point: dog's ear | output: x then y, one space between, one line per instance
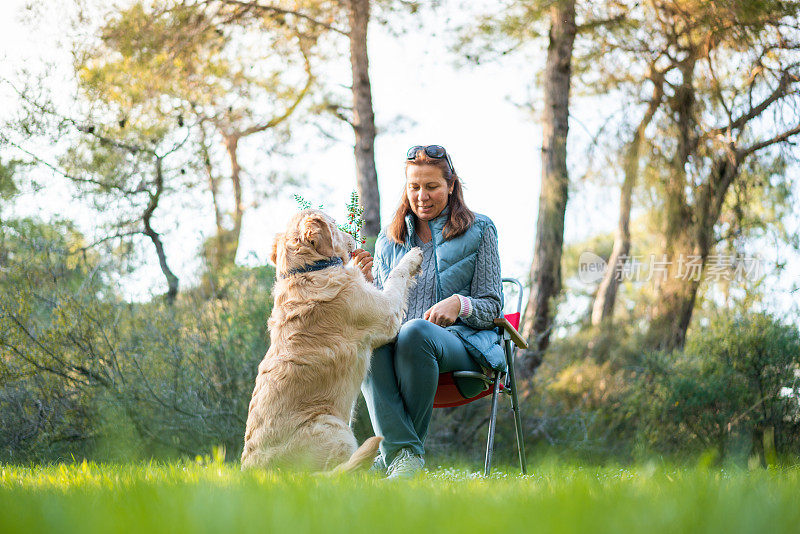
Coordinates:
273 257
316 231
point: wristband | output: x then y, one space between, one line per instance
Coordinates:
466 306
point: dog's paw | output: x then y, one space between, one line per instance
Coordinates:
413 259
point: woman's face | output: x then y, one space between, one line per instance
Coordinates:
427 191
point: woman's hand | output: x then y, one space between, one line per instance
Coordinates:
444 312
363 260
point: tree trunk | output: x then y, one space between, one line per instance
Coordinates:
545 274
172 280
603 307
364 120
213 187
213 250
231 244
676 294
672 313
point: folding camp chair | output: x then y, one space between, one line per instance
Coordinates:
497 382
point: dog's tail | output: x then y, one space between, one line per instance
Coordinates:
361 459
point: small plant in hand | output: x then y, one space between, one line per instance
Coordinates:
355 219
355 214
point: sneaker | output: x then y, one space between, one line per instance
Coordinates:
378 466
405 465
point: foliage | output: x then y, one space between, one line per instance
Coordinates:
355 219
707 98
159 60
580 402
733 391
166 94
176 64
354 215
84 373
209 496
723 82
8 187
302 203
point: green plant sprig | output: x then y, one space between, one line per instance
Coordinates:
354 216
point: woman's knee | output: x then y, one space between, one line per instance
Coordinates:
416 331
416 339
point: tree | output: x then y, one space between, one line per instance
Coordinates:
730 66
184 62
603 305
123 172
363 122
545 274
517 22
332 18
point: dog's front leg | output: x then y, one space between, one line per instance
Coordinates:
395 289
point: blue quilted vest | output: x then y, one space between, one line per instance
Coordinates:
455 267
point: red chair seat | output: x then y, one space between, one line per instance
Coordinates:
447 394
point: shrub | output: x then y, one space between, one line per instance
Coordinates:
84 373
726 390
732 390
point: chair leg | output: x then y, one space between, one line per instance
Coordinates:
487 466
515 406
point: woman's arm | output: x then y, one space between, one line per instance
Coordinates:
487 284
483 307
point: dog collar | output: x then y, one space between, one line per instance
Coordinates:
316 266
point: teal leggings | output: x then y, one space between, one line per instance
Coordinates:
402 379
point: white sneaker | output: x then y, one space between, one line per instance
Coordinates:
378 466
405 465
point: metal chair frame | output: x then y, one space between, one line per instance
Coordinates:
509 338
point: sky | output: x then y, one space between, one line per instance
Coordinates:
482 115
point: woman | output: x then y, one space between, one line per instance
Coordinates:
458 294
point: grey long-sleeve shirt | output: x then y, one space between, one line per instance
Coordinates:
485 287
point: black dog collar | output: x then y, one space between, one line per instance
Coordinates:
316 266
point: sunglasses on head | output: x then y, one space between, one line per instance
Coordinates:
432 151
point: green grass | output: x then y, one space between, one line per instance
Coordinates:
211 496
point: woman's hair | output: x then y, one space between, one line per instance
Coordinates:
460 217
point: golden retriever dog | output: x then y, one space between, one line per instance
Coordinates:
325 322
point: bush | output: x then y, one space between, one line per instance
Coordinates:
726 390
582 401
85 374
